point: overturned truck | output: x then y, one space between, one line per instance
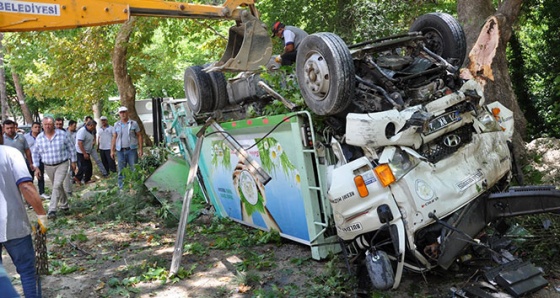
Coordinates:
398 162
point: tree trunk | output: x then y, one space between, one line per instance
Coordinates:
21 98
3 96
127 91
473 15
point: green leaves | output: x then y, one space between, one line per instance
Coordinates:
63 268
81 237
195 248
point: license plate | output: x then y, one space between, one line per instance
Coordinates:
443 121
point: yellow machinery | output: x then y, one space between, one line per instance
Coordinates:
249 45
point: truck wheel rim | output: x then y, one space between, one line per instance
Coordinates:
434 42
192 92
317 77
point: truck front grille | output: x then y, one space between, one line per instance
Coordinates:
447 144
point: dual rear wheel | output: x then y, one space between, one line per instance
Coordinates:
205 92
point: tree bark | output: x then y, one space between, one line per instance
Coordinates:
473 15
21 98
127 91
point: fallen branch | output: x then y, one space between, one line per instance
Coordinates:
76 247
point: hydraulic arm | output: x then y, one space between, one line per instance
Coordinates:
28 15
249 45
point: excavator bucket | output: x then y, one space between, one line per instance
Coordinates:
249 46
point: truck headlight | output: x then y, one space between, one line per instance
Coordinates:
489 121
400 163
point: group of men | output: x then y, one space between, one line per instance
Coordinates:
58 152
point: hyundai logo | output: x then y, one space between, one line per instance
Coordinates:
452 141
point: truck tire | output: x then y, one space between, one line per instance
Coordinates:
325 73
198 90
444 36
219 89
380 270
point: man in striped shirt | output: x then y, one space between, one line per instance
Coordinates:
54 148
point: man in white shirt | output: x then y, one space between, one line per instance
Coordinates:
104 138
84 146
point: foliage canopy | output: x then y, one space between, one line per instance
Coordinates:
66 72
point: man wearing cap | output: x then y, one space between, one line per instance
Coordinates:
126 143
292 37
105 136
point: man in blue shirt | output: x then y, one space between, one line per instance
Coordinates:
126 143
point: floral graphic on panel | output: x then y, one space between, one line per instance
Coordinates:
273 156
220 154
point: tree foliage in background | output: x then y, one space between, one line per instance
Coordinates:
354 20
66 72
538 71
63 72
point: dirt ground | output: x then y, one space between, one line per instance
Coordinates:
108 251
103 259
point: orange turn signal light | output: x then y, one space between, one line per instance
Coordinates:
496 112
384 174
361 186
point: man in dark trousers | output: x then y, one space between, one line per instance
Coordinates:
105 136
30 137
84 147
